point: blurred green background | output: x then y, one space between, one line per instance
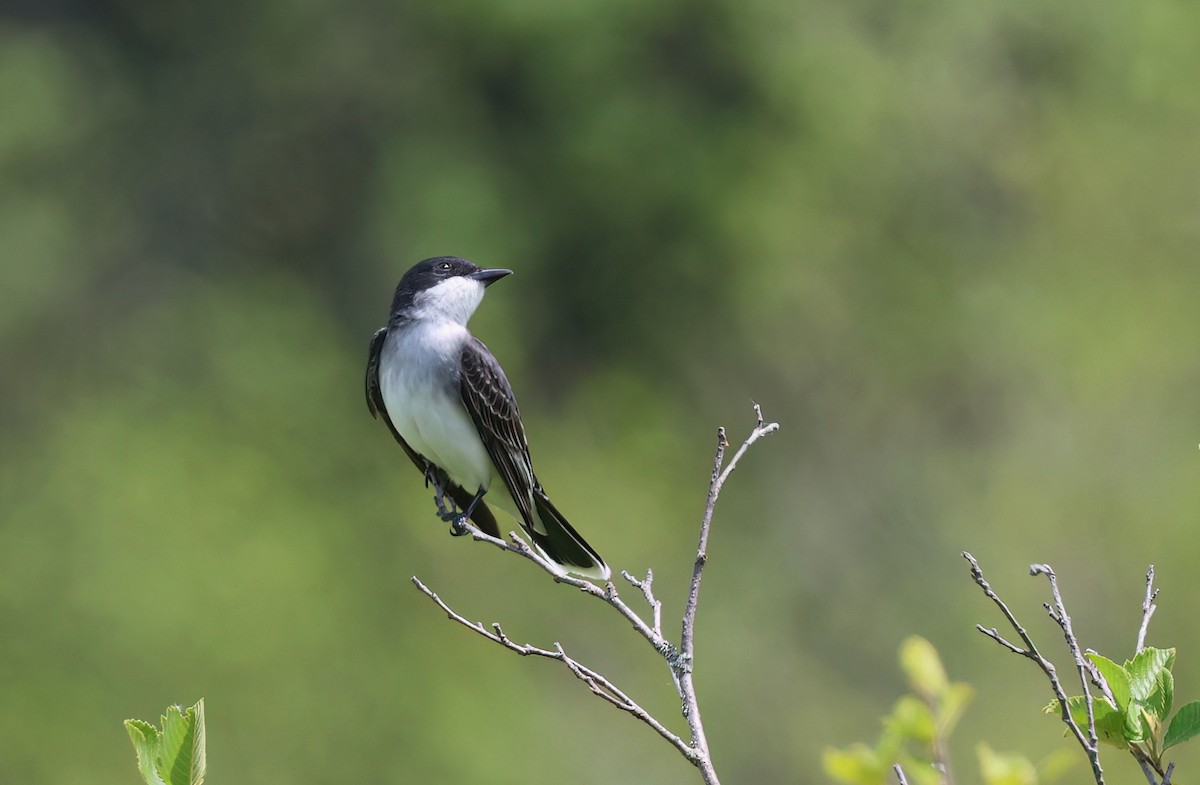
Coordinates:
949 247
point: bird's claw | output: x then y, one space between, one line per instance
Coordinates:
458 526
448 514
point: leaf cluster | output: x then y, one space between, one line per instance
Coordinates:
916 732
1134 710
173 755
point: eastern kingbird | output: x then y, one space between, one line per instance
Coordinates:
447 401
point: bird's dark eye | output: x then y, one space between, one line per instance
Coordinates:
444 266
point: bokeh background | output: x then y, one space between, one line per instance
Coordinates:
950 247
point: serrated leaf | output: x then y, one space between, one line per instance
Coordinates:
1001 769
182 746
1159 702
1116 676
1184 725
145 743
1135 728
923 667
911 719
854 765
1144 671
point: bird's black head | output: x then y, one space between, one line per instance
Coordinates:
443 283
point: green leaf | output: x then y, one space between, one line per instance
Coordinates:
182 749
1145 670
1000 769
1110 723
855 765
923 667
1184 725
911 719
145 742
1136 728
1116 676
174 755
1159 702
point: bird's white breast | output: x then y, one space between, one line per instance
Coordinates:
417 376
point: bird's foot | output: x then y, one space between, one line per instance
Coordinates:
458 526
448 513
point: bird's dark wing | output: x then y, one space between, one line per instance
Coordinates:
482 515
489 400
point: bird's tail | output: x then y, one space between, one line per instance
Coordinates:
562 544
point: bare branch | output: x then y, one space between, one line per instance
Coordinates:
646 587
1147 770
608 594
687 641
1060 616
679 659
1148 609
598 684
899 774
1087 742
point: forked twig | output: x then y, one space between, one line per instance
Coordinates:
1058 612
679 658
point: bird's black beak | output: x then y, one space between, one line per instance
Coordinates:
489 277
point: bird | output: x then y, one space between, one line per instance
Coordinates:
446 400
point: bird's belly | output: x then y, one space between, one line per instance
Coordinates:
434 423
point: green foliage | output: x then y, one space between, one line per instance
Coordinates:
175 754
918 730
1143 689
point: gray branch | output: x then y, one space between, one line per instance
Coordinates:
1059 614
1087 741
679 658
1148 608
599 685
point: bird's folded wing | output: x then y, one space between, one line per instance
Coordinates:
489 400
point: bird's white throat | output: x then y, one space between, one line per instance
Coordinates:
453 299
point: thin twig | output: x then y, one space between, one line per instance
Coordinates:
1060 616
899 774
1089 746
1147 770
1148 609
599 685
687 640
647 588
